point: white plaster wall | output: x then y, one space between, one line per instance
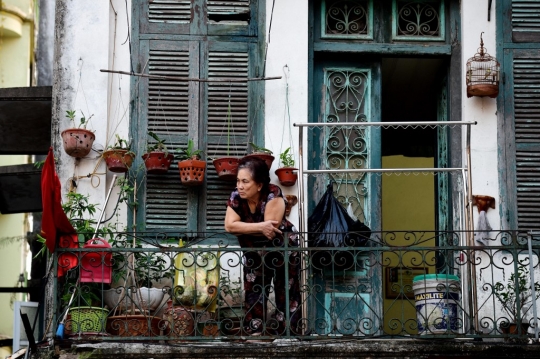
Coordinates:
481 109
288 47
81 50
83 46
119 94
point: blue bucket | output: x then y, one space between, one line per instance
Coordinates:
437 298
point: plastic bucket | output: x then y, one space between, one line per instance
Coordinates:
437 297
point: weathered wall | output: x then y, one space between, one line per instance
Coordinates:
481 109
288 47
83 46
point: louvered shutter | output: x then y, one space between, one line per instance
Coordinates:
167 112
525 20
165 16
226 7
203 39
526 77
225 61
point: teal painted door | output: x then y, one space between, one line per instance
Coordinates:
349 302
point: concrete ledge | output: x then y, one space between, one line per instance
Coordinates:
391 348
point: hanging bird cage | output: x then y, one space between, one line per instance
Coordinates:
483 72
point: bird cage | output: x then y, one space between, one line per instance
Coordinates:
482 74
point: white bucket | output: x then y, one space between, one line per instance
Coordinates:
437 297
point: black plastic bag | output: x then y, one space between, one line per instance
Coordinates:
331 226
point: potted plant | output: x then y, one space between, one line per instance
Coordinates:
119 157
191 168
262 153
87 314
77 140
157 159
516 291
134 299
287 174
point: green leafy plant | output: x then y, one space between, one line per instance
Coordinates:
148 267
517 290
121 144
159 145
189 152
286 158
259 149
71 114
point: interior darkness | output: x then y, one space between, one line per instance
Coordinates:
410 91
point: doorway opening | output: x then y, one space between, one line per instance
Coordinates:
412 89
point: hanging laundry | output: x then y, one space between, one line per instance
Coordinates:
483 227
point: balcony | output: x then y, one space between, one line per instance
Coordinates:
197 291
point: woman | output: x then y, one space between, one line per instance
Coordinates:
256 215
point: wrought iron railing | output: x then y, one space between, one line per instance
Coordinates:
222 292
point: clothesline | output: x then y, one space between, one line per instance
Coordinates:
178 78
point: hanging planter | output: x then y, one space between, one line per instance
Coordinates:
287 174
157 159
226 168
77 141
119 157
482 74
262 153
157 162
118 160
191 169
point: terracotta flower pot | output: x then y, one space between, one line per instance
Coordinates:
263 156
78 141
287 176
118 161
192 172
157 162
134 325
226 168
179 321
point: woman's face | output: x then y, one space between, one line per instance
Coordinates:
247 187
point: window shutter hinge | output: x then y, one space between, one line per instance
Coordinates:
504 78
256 71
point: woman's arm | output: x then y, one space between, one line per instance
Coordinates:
234 225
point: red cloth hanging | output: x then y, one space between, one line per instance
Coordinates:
55 226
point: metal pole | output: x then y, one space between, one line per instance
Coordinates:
105 205
533 289
385 124
302 224
470 230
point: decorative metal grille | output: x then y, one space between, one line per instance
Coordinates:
422 19
347 100
347 18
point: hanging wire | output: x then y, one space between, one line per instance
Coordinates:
287 114
230 127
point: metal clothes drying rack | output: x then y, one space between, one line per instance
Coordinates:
465 173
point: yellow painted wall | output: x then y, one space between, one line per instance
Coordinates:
408 203
16 53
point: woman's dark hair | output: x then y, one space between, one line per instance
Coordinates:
258 168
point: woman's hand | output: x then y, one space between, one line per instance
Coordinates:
269 229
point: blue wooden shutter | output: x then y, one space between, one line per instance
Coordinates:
225 61
526 81
525 20
167 111
165 16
